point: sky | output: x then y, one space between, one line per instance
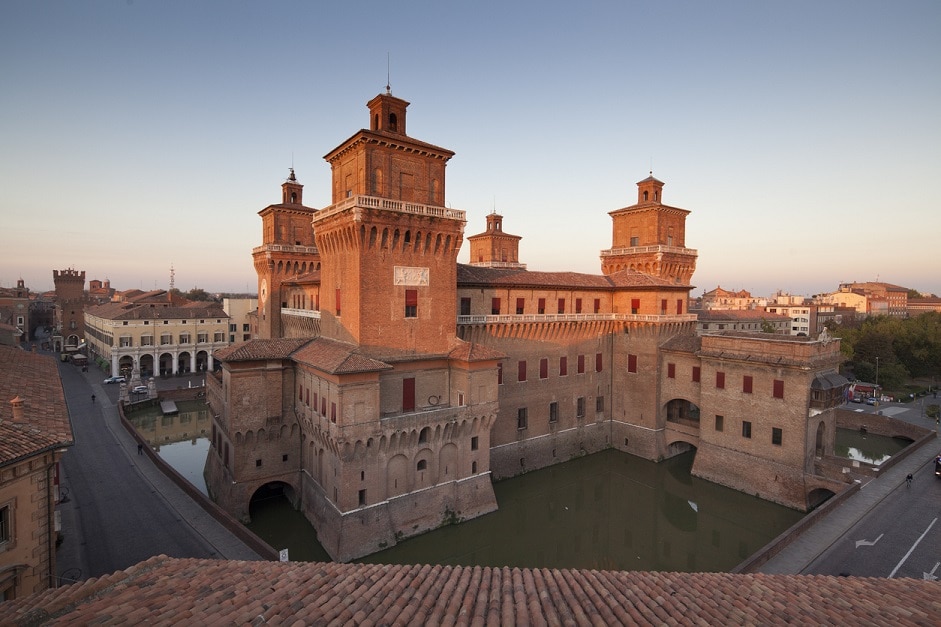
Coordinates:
138 136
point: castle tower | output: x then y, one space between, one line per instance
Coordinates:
287 250
650 237
495 248
70 307
388 244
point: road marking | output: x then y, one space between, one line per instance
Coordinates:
931 576
920 538
860 543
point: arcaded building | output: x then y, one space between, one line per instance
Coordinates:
390 385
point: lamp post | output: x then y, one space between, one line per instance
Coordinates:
877 372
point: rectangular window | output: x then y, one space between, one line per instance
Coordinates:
561 305
465 306
495 306
599 404
362 497
663 307
300 392
323 406
245 328
671 371
520 306
521 418
581 364
720 380
521 371
475 443
233 328
6 529
542 306
679 306
597 305
202 338
338 301
315 401
635 241
696 372
578 305
500 374
778 388
333 413
408 394
307 394
126 341
563 366
776 436
635 305
720 423
746 384
219 336
632 363
147 340
746 429
599 362
553 412
411 303
544 368
580 407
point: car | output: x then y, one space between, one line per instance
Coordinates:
139 389
871 400
116 379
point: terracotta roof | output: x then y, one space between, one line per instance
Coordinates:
683 343
480 275
471 351
131 311
742 315
336 357
253 350
170 591
45 421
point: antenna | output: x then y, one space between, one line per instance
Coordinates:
172 276
388 74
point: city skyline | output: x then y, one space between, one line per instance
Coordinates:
802 137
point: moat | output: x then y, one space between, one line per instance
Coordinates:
609 510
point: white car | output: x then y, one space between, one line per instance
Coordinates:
116 379
139 389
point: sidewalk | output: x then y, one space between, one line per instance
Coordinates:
798 556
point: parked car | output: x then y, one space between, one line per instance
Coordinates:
871 400
139 389
937 466
116 379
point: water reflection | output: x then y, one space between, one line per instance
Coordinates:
868 448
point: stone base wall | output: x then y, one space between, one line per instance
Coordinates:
637 440
347 536
765 479
510 460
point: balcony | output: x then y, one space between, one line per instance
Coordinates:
387 204
636 250
285 248
303 313
603 317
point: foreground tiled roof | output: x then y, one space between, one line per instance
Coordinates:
45 423
336 357
252 350
480 275
472 351
169 591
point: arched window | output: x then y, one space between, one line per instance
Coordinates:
393 122
423 435
422 465
645 196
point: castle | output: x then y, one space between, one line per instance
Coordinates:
389 385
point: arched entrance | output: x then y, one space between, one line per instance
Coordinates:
682 411
146 365
183 363
126 365
202 361
818 497
166 364
269 493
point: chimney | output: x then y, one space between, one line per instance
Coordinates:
17 405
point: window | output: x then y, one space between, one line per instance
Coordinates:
300 392
465 306
720 380
553 412
597 305
599 404
147 340
563 366
323 406
218 336
233 328
307 394
314 404
544 368
679 306
778 388
500 374
581 364
635 241
126 341
635 305
696 374
663 307
542 305
185 338
408 394
422 464
776 436
338 300
578 305
521 418
202 337
746 429
520 305
245 328
720 423
561 305
671 371
599 362
423 435
475 443
362 497
411 303
6 524
521 371
580 407
632 363
746 384
495 306
333 413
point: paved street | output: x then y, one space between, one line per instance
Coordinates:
118 508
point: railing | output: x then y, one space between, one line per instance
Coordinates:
304 313
633 250
387 204
618 317
285 248
499 264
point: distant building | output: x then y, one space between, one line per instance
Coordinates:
802 313
69 331
918 306
240 312
15 311
884 298
34 433
752 320
728 300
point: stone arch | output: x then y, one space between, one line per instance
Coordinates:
272 490
681 411
817 496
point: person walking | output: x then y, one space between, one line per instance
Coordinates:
140 448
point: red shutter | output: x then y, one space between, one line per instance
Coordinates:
411 298
746 384
696 374
635 305
563 366
671 371
598 362
408 394
521 374
543 368
778 388
679 306
720 380
632 363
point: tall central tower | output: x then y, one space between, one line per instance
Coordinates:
388 244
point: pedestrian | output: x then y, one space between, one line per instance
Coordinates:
92 398
140 449
908 479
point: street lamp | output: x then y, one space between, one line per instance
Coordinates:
877 372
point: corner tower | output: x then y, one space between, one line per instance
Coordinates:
650 237
388 244
495 248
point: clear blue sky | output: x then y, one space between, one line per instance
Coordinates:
805 137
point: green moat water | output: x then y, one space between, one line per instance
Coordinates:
609 510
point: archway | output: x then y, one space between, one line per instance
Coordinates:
183 363
146 365
682 411
166 364
270 492
126 365
202 361
818 497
